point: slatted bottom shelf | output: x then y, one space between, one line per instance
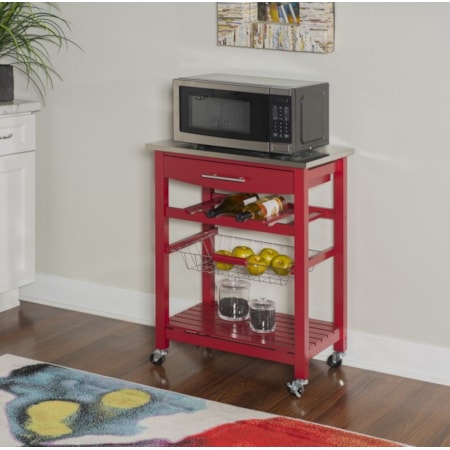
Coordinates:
200 325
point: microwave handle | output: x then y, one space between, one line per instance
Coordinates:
219 177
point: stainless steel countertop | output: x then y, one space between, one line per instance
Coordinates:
333 153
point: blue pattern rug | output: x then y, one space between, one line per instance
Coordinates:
47 405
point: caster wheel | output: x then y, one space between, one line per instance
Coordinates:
297 387
158 357
207 353
157 362
335 360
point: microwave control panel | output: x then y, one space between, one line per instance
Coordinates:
280 118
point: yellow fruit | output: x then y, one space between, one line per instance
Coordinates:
242 251
281 264
256 265
268 254
222 265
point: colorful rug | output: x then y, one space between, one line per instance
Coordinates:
47 405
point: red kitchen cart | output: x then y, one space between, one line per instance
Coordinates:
298 337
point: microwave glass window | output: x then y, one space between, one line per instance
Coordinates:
224 114
219 114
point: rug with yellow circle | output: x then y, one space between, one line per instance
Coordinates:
46 405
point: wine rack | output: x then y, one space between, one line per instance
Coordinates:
297 338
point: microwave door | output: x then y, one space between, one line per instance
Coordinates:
224 118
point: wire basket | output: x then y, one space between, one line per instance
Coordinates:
201 256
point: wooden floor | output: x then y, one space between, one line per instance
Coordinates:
390 407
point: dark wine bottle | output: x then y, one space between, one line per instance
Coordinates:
232 204
263 208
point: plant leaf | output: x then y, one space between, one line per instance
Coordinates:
27 31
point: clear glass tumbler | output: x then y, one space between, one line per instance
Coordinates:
233 299
262 315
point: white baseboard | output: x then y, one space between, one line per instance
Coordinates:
9 300
92 298
365 351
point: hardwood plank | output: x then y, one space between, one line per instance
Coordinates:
386 406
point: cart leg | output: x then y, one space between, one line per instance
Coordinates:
162 282
301 284
297 387
340 259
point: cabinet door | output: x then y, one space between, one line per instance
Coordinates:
17 220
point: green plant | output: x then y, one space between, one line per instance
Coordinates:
26 31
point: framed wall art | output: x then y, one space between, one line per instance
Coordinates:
297 27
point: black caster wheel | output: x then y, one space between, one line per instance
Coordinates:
158 357
206 352
297 387
157 362
335 360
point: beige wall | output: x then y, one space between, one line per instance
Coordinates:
389 100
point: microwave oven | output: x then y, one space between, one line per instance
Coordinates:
251 113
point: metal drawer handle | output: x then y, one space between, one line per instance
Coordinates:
7 136
218 177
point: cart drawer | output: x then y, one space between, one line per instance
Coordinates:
229 177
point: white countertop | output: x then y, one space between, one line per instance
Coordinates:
19 107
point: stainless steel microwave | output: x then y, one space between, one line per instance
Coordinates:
251 113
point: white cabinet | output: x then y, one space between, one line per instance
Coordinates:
17 199
17 175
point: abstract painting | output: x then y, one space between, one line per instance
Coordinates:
289 26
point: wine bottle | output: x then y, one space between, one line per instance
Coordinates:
232 204
263 208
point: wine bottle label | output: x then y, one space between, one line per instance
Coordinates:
249 200
272 207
